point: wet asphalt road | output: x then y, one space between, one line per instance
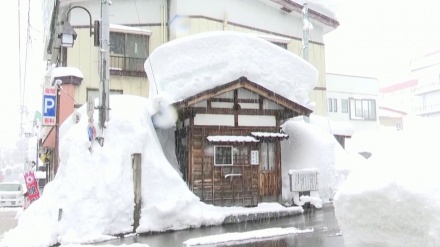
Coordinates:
323 221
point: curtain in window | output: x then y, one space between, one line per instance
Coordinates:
264 162
271 155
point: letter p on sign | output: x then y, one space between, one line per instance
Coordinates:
49 107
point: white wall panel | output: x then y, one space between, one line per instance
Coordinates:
247 120
214 120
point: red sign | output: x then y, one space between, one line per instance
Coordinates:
32 187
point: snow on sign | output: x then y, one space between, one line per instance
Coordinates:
49 106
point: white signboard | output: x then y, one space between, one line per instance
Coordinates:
49 106
304 180
255 159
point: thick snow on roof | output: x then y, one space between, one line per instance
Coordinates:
269 134
211 59
394 199
232 139
65 71
325 7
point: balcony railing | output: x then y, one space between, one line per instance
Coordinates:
427 110
127 66
427 88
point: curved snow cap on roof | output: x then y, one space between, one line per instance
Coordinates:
184 67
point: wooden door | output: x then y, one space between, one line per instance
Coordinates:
269 170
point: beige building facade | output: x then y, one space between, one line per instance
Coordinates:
137 28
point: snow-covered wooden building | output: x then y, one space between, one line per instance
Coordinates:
230 108
228 143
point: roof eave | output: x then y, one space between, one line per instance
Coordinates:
330 23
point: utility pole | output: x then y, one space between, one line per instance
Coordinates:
105 70
306 31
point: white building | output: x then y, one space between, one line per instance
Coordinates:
397 101
426 69
353 99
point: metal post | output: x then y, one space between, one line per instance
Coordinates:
57 129
105 70
306 27
137 188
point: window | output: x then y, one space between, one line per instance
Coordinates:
332 105
93 93
267 156
363 109
223 155
241 155
344 105
128 53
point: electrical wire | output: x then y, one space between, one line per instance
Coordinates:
68 95
28 38
149 59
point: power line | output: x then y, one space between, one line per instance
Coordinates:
19 49
149 59
28 37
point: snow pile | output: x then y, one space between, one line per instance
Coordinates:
308 146
311 145
211 59
91 197
241 237
395 199
343 128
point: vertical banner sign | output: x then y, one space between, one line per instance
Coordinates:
49 106
31 186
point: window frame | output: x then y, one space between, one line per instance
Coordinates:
344 109
231 151
265 158
122 64
332 105
357 111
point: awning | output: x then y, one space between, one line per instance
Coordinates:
269 135
232 139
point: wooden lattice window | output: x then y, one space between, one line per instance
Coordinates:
223 156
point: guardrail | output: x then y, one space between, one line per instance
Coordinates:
127 66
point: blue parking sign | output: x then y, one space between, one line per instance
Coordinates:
49 106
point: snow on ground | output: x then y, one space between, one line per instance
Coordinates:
242 237
214 58
105 245
395 199
92 194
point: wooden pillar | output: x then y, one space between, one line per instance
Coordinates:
137 188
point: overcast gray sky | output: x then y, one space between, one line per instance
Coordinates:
378 38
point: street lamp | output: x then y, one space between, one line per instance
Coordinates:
68 35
